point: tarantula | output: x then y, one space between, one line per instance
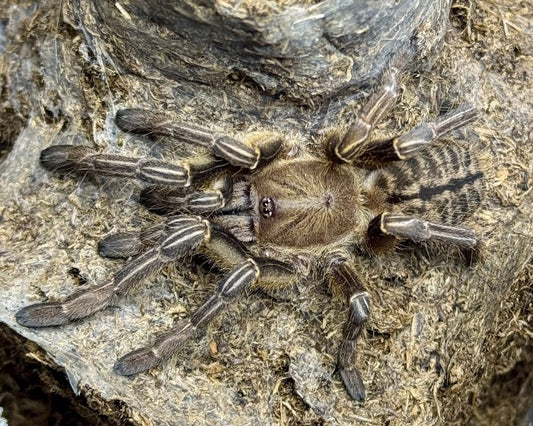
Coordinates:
259 221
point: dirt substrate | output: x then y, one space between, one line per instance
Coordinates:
448 342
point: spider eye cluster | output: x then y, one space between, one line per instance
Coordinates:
267 207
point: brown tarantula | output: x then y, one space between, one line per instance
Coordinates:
257 215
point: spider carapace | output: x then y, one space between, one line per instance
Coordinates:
256 212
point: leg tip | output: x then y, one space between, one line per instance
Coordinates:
119 246
63 158
353 383
132 120
156 199
136 362
42 315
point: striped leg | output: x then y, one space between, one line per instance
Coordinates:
354 142
395 226
239 153
123 245
169 200
181 235
164 200
245 274
240 277
83 159
343 277
400 148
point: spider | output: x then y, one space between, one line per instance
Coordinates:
268 220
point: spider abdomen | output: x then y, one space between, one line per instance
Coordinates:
444 184
305 203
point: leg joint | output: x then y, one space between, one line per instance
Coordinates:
360 307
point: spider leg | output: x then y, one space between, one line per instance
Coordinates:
400 148
343 277
170 200
164 200
245 273
240 277
354 142
239 153
84 159
123 245
388 226
181 235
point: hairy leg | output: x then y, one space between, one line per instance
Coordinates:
342 275
396 226
349 147
84 159
166 345
180 236
379 153
247 153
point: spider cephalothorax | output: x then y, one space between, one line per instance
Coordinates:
260 220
